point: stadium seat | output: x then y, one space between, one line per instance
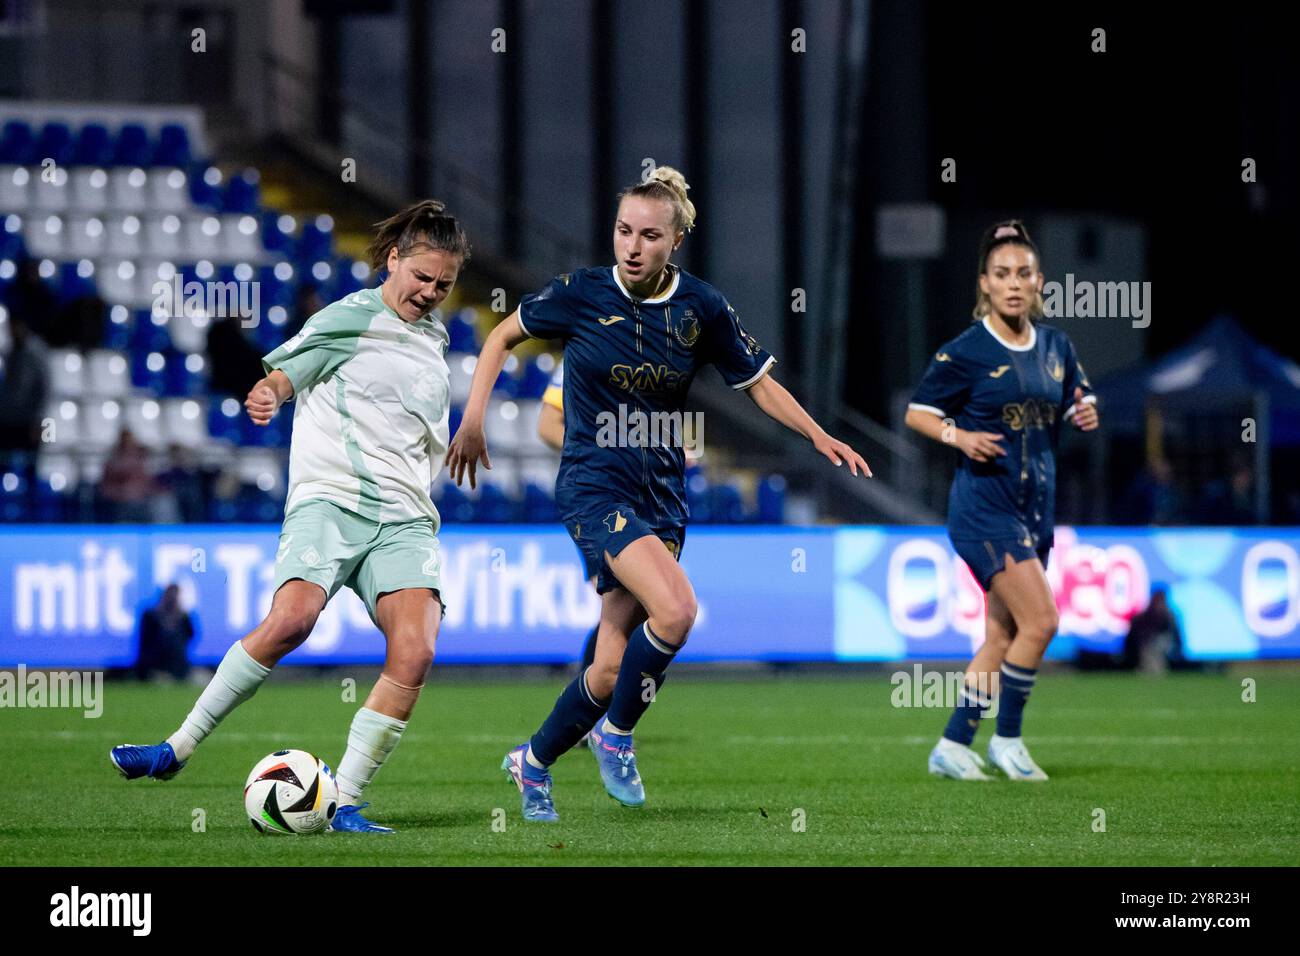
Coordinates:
87 235
144 417
50 188
225 420
173 146
106 375
132 147
14 183
67 373
101 420
92 146
771 500
242 240
184 421
89 189
460 368
17 143
43 234
128 189
242 194
55 142
65 415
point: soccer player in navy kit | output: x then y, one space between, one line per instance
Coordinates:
635 335
999 392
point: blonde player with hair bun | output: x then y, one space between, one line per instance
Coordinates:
635 334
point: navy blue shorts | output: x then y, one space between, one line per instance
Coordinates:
985 557
609 525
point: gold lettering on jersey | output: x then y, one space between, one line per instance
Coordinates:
1029 414
645 378
999 371
611 320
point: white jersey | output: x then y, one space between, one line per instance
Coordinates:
373 398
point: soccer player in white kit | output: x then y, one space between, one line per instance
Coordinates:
370 425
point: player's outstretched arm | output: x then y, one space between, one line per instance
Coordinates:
778 404
265 398
469 447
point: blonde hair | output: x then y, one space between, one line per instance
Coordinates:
1008 232
669 185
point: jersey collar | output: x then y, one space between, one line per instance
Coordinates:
1033 337
672 286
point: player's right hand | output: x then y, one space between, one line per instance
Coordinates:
466 450
261 403
980 446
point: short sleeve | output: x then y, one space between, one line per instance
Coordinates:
552 312
554 394
734 352
1075 377
326 341
944 388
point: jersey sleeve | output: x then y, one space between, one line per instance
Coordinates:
944 388
1075 377
554 394
734 352
327 340
552 312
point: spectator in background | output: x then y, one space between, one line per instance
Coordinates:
24 388
1230 501
183 483
31 299
127 488
166 631
1152 498
1153 639
234 364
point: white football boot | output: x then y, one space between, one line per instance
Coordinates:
951 759
1010 755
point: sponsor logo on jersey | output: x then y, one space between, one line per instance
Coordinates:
1028 414
1055 368
943 357
611 320
999 371
646 378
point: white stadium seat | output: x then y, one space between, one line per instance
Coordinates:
66 415
123 236
461 373
127 190
14 188
89 189
168 190
185 421
67 373
59 470
50 188
144 418
45 235
107 374
101 420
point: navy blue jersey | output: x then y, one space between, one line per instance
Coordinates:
1022 392
626 360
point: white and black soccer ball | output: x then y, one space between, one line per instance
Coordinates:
291 791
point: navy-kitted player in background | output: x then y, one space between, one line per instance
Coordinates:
635 335
999 392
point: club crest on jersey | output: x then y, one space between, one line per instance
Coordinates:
615 522
688 328
1055 368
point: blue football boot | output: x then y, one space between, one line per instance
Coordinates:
146 760
349 820
533 784
617 761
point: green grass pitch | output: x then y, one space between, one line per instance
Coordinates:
792 770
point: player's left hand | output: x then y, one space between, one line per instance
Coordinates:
1085 416
838 452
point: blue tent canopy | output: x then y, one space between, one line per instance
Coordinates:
1222 365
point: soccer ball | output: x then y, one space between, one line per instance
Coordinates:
291 791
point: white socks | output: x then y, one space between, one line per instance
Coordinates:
371 739
237 679
611 729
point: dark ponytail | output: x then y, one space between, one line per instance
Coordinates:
419 227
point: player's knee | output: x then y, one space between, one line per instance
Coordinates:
292 624
675 620
601 679
1041 627
410 655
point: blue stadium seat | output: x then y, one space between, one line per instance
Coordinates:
12 246
534 381
226 420
132 146
539 506
17 144
173 146
461 330
51 506
149 370
454 506
771 500
726 505
147 337
242 195
55 142
274 238
15 496
71 285
493 506
315 244
92 146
